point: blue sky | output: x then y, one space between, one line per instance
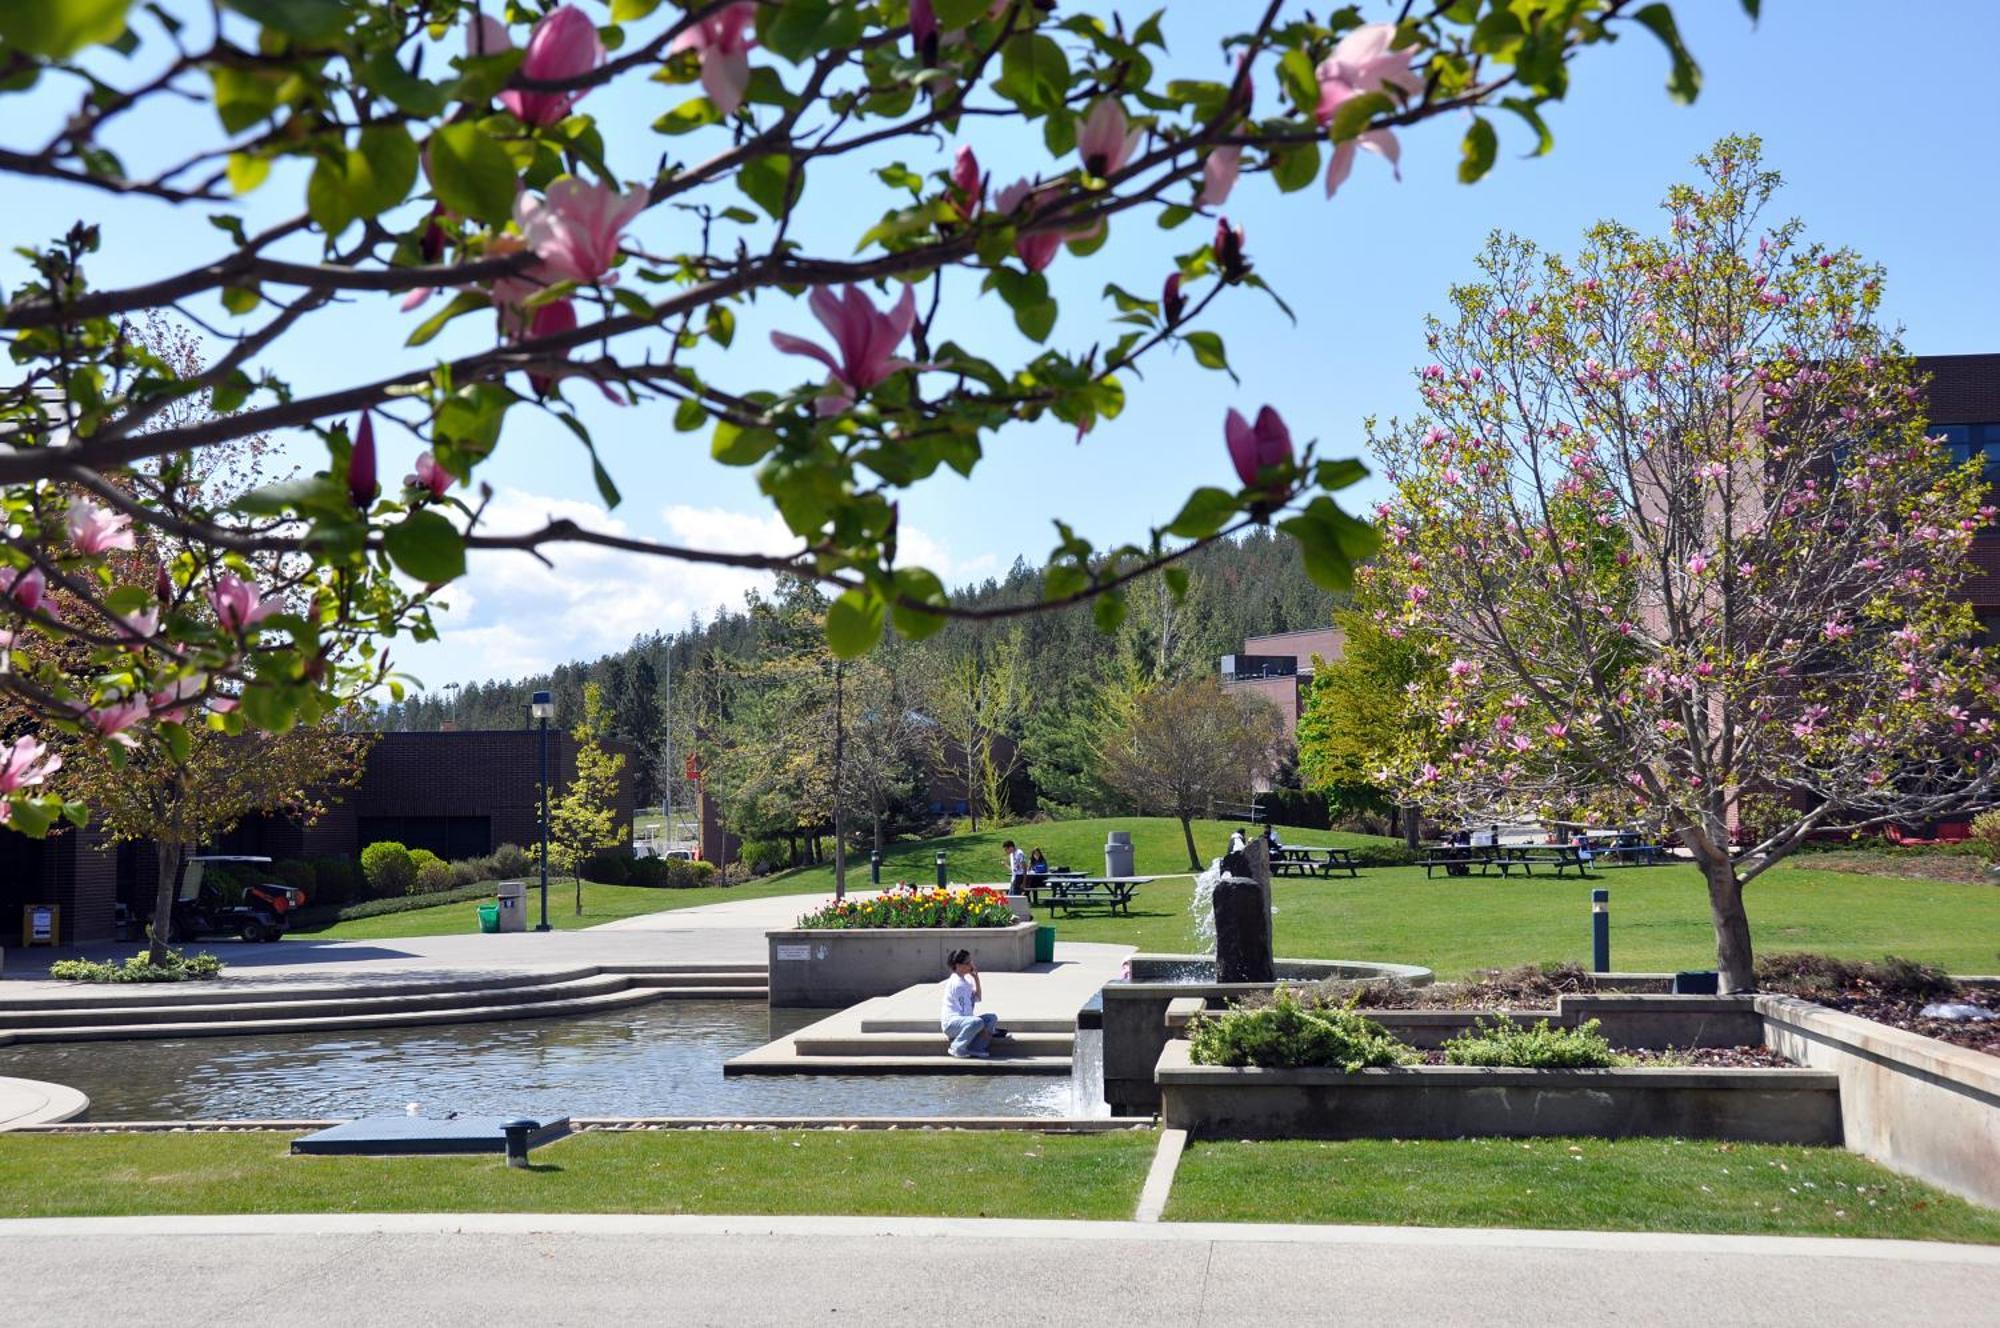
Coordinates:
1896 157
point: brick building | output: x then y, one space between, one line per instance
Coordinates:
458 794
1965 412
1279 668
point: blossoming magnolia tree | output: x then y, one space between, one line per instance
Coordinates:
1671 530
444 160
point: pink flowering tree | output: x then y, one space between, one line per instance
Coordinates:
1672 535
445 167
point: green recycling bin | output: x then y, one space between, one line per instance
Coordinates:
489 917
1045 944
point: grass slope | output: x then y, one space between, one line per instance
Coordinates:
1589 1184
873 1173
601 903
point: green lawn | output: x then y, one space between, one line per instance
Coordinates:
1659 915
868 1172
1588 1184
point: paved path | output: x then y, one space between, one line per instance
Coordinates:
342 1271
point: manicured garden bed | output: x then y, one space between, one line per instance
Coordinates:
875 1173
1588 1184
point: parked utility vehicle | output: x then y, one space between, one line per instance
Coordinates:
201 909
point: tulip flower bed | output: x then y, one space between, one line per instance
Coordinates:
913 906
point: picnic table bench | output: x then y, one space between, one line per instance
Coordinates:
1313 860
1071 892
1479 858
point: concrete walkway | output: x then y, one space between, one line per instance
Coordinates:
344 1270
32 1102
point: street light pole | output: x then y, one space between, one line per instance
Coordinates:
543 708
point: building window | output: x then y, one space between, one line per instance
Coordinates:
1966 441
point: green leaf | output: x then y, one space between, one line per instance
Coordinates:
763 179
240 300
426 546
792 30
1356 113
242 96
1208 351
1176 578
625 11
416 96
1206 511
1109 611
381 169
954 15
246 171
1684 79
1339 474
59 29
470 173
734 445
916 586
1300 81
692 114
1545 141
1036 321
1294 168
462 303
690 415
1475 153
31 816
304 20
175 736
1034 74
854 623
327 196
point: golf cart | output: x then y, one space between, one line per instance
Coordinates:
201 910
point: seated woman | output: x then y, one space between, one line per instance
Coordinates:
970 1034
1038 865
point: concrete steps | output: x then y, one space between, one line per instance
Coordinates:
252 1011
928 1044
940 1064
1065 1025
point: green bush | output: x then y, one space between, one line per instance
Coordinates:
297 874
609 866
336 881
1502 1042
1386 855
434 877
390 868
178 968
1287 1034
470 871
671 873
510 862
375 908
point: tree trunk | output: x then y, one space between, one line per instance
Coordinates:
1194 858
1413 825
170 856
1732 926
972 783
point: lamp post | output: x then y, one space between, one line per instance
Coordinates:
543 708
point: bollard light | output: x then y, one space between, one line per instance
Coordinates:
942 882
875 867
1600 931
517 1141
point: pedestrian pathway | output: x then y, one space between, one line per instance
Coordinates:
347 1270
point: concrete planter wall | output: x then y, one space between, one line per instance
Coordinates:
1452 1102
820 969
1924 1107
1651 1023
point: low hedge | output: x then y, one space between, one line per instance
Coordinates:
375 908
1292 1034
1501 1042
178 968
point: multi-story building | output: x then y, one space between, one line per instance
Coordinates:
1280 667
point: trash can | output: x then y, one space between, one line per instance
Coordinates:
1045 944
489 917
1118 853
510 897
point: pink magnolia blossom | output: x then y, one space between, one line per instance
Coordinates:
139 626
864 338
1256 448
94 529
25 764
25 588
924 32
1037 249
1218 175
575 228
112 721
724 42
1837 630
1363 62
563 45
1463 668
548 320
1106 142
967 181
1697 565
1378 141
1172 303
171 702
362 485
239 604
429 475
1556 731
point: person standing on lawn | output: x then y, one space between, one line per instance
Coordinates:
1017 866
970 1034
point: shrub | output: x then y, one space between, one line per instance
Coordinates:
1986 834
609 866
375 908
915 906
390 868
509 862
1503 1042
336 881
471 871
296 874
763 856
433 877
1288 1034
1300 807
178 968
1386 855
671 873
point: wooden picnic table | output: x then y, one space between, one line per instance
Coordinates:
1313 860
1070 892
1504 858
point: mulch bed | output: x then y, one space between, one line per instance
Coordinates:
1755 1058
1979 1036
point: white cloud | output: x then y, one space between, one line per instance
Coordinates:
512 615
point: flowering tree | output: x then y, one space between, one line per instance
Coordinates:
1671 529
447 165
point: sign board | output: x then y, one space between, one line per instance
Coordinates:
795 952
38 924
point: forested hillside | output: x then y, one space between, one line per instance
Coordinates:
752 694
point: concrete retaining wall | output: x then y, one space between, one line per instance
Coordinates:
1453 1102
821 969
1923 1107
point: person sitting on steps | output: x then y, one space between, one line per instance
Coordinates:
971 1034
